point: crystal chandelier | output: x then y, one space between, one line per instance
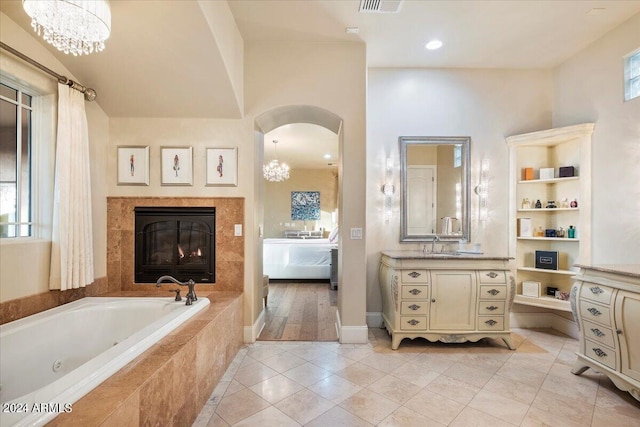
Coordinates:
274 171
72 26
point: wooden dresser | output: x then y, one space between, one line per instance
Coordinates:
605 301
448 298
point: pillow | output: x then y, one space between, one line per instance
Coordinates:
333 236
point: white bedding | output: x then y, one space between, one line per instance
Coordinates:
297 258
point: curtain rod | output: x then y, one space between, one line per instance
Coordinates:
89 94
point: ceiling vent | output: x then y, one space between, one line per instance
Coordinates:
380 6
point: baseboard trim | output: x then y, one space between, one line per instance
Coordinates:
251 333
545 320
351 334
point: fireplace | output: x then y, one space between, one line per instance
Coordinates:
178 241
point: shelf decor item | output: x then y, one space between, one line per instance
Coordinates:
531 288
547 260
525 228
528 174
566 172
547 173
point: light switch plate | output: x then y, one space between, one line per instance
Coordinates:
237 229
356 233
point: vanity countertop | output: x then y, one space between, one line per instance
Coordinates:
441 256
631 270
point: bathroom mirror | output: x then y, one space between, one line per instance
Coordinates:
434 179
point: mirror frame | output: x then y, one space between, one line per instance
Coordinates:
465 221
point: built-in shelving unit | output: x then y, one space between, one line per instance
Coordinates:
553 148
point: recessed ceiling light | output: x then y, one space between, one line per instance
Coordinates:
327 156
434 44
351 30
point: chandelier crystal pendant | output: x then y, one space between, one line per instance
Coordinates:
274 171
79 27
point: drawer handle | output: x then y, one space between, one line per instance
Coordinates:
594 311
415 274
599 352
415 291
596 290
490 322
492 308
619 331
492 274
414 307
493 292
597 332
413 322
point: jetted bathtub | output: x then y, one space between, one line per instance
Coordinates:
51 359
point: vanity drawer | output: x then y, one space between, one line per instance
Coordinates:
491 323
599 333
600 353
415 276
415 292
414 307
595 292
491 307
413 322
492 276
493 292
595 312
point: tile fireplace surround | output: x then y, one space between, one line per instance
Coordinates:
120 240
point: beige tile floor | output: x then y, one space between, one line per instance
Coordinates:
421 384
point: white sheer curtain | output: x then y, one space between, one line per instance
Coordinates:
72 238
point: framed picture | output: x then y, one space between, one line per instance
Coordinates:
133 165
176 165
222 166
305 205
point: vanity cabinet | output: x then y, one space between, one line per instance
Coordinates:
554 148
450 299
606 304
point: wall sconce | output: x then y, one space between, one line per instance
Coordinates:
482 190
388 189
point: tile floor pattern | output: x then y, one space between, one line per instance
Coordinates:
421 384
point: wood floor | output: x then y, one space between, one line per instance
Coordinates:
300 311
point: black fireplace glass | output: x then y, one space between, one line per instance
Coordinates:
176 241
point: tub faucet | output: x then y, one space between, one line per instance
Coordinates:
191 295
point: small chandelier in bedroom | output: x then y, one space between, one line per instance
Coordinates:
275 171
79 27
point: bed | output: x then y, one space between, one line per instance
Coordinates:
297 258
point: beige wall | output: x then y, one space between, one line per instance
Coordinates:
589 88
24 265
277 202
486 105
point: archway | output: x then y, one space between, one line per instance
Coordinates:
266 123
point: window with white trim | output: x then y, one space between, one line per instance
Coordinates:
15 162
632 76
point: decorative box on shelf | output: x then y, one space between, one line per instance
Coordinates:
547 173
531 288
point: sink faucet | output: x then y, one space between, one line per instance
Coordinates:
191 295
433 243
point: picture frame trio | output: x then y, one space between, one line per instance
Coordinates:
176 166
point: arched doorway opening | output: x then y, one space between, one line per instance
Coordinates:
268 124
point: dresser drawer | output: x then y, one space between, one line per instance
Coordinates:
599 333
595 292
600 353
493 292
415 276
491 323
595 312
415 292
492 276
412 323
491 307
414 307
